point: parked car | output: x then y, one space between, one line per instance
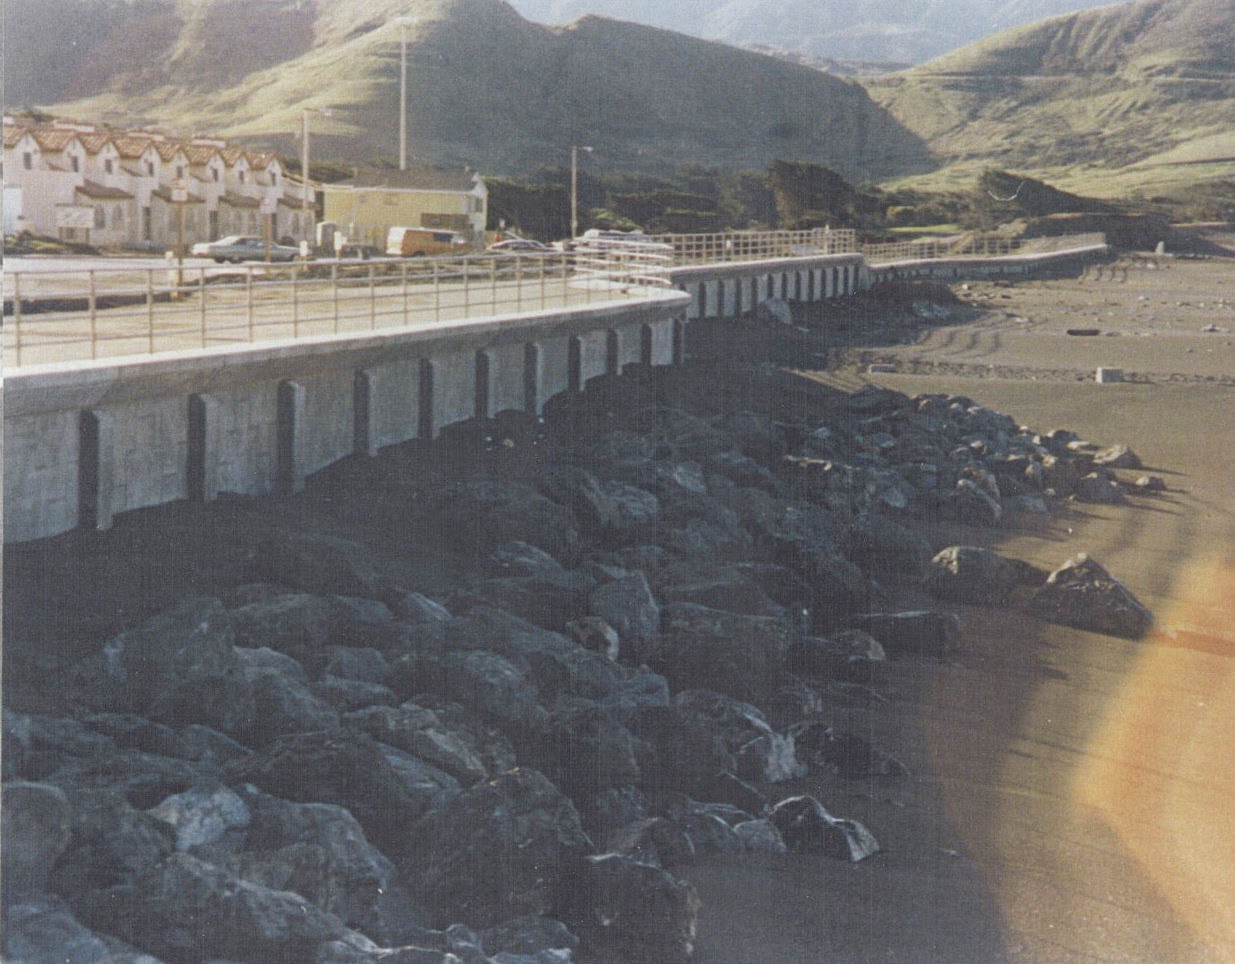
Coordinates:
521 246
237 247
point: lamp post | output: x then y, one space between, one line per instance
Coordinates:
404 23
305 191
574 189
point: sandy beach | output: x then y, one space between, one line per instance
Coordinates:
1072 799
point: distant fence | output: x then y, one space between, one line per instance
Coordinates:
976 246
757 245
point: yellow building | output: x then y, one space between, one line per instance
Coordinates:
365 208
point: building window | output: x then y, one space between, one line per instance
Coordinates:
241 175
149 168
27 161
108 166
100 216
215 172
274 178
117 216
74 163
179 170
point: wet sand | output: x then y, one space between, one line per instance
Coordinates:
1072 797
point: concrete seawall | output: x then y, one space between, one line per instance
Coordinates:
87 441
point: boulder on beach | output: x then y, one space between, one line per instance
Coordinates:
1082 594
975 575
807 827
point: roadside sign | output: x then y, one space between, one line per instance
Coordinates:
180 191
269 205
74 216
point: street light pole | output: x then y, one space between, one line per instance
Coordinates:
574 189
403 23
306 188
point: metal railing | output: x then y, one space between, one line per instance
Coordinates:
757 245
975 246
57 316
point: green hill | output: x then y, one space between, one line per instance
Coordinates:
486 88
1134 97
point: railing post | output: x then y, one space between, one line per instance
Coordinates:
493 281
201 295
17 316
94 331
467 292
334 295
403 282
295 303
437 292
150 310
248 282
372 297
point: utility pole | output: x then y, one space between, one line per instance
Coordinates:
404 23
574 189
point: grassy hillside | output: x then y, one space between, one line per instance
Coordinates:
1134 97
487 88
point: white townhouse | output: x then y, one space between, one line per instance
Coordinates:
81 182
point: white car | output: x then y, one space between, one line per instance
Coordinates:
238 247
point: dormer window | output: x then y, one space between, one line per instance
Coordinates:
180 171
241 175
74 162
215 172
274 178
27 161
108 166
150 168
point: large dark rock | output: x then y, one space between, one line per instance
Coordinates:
350 770
505 848
112 843
283 702
677 751
806 827
179 667
305 626
918 632
320 852
972 575
761 754
184 909
842 752
610 512
529 936
641 911
1082 594
422 733
501 690
584 749
1118 457
728 652
34 832
878 543
204 818
478 516
805 541
323 565
627 604
44 930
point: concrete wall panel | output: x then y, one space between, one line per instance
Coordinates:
328 433
150 453
396 402
506 377
593 355
454 388
629 346
553 369
248 439
40 474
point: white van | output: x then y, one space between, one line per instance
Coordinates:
424 242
